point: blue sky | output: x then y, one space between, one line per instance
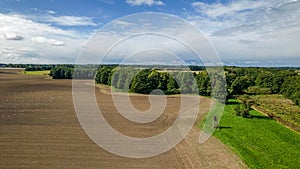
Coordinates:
249 33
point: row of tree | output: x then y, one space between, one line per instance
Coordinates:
34 67
136 80
69 72
132 79
239 80
61 72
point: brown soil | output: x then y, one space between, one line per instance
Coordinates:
39 129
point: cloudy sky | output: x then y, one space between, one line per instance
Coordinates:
248 33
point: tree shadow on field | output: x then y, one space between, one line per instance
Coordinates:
232 103
224 127
260 117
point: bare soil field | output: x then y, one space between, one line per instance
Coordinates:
39 129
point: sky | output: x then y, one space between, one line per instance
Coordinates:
243 33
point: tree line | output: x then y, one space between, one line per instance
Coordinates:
144 81
239 80
69 72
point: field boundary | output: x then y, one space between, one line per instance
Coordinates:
277 119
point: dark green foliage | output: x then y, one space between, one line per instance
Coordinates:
240 84
291 88
61 72
145 81
172 86
137 80
196 68
263 81
163 81
244 107
104 75
203 82
239 81
273 79
187 83
84 73
121 78
218 85
238 110
69 72
242 110
32 67
38 67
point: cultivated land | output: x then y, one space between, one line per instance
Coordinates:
39 129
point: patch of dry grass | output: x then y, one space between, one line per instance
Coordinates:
279 107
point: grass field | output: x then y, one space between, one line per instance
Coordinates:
43 72
259 141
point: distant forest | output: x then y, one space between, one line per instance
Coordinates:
239 80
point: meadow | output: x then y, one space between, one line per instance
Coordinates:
42 72
259 141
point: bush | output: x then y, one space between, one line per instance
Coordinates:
244 107
242 110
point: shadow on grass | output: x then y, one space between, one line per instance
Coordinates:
260 117
224 127
232 103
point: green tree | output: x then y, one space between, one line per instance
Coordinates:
204 84
61 72
163 81
291 88
172 86
187 83
243 109
104 74
143 82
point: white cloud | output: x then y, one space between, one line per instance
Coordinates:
248 32
110 2
217 9
13 36
240 15
51 12
121 23
49 16
69 20
144 2
260 30
53 42
41 43
18 23
9 54
132 41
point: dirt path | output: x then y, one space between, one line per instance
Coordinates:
39 129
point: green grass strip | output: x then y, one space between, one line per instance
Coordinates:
43 72
259 141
